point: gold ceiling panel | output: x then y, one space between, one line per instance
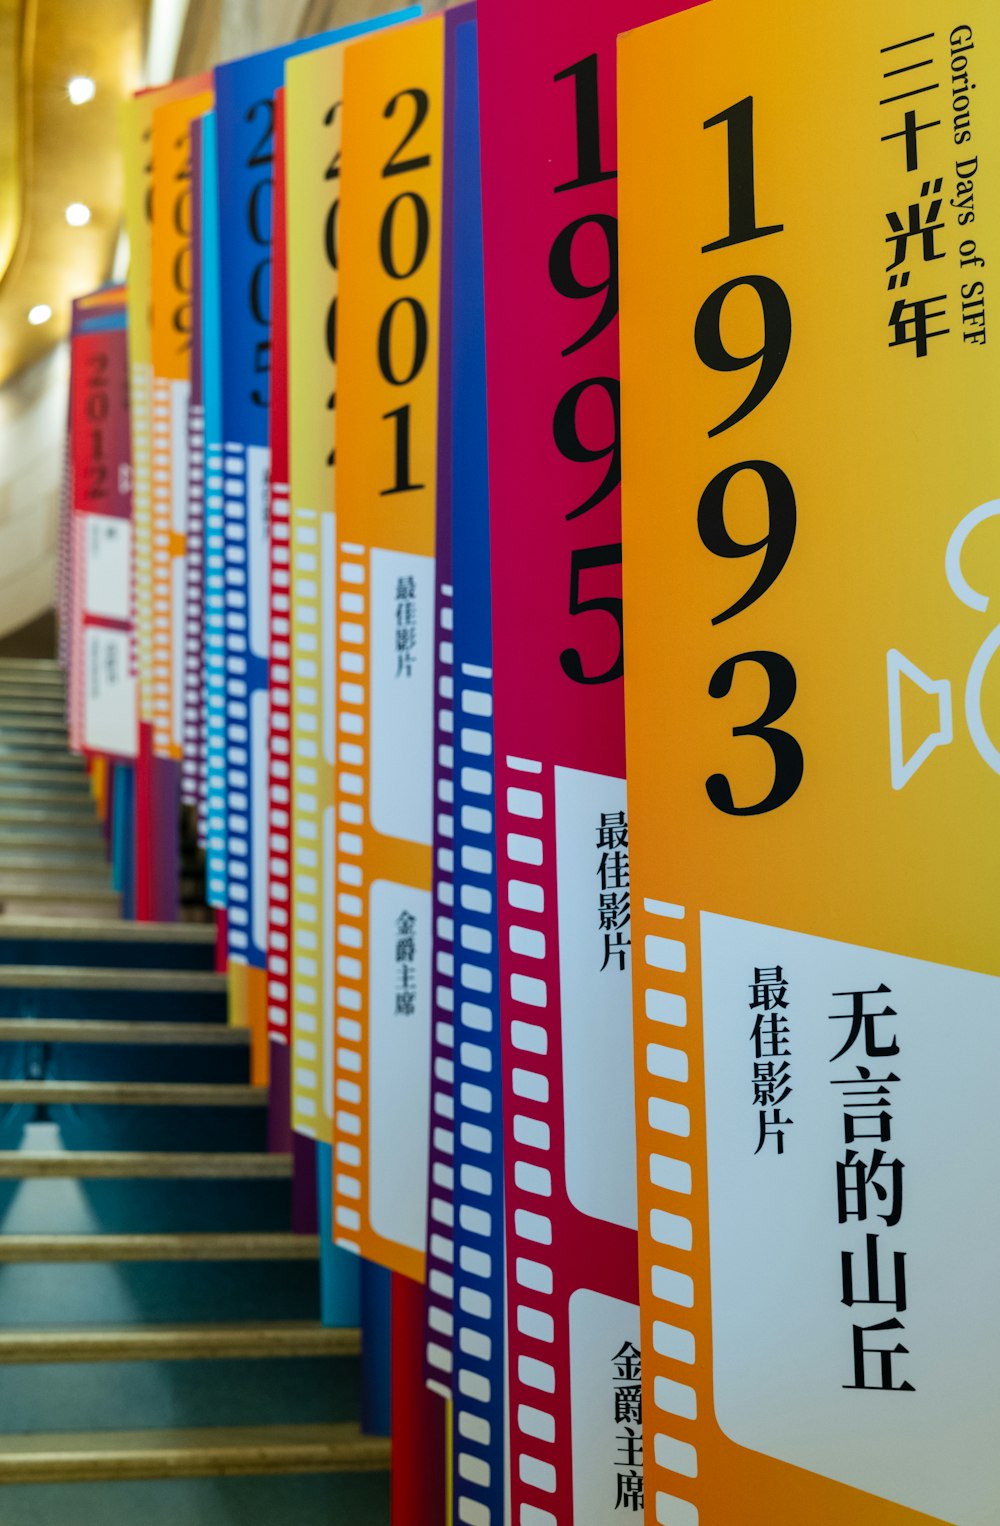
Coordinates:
53 153
12 17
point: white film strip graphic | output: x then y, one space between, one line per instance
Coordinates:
193 761
140 405
237 702
76 692
279 769
479 1191
162 516
670 1227
307 825
215 679
352 709
441 1220
64 558
534 1276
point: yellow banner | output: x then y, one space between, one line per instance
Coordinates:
137 157
313 118
810 227
171 270
390 258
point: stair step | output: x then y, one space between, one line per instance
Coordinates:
53 892
85 930
49 771
87 856
17 700
33 683
82 978
65 762
15 742
31 676
41 731
56 881
175 1343
57 817
129 1165
48 792
22 714
31 716
45 834
44 1030
12 904
263 1246
69 807
133 1093
67 1457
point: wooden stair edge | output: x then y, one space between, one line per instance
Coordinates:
118 978
133 1093
262 1245
85 857
35 738
146 1165
50 722
79 820
64 802
32 664
67 1457
261 1339
85 929
93 1030
42 835
65 893
58 882
63 763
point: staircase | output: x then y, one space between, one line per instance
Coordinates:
161 1358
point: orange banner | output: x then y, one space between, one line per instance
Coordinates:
386 481
810 218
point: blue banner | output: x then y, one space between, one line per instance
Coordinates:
479 1385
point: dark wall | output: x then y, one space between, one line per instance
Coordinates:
36 639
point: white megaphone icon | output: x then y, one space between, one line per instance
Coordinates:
903 769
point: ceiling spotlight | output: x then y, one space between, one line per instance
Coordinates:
77 215
41 313
81 90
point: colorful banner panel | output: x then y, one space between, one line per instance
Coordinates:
193 738
279 749
245 127
246 123
386 485
562 836
479 1430
439 1283
314 120
314 116
172 285
137 154
104 716
214 594
810 540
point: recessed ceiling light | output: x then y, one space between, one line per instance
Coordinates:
77 215
81 90
41 313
